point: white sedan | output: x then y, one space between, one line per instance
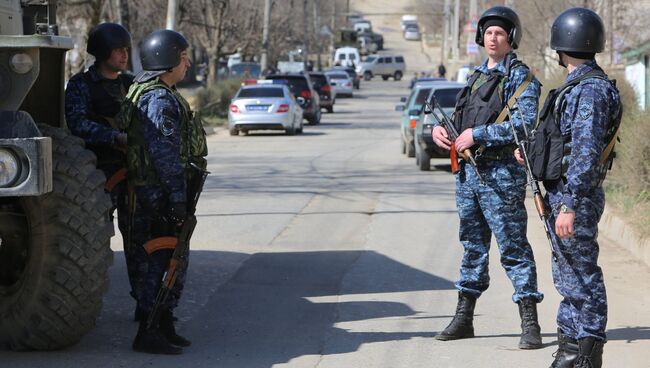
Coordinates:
341 83
264 105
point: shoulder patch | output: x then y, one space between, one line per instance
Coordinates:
585 108
167 127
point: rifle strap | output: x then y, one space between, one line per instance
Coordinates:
163 242
513 99
115 179
610 146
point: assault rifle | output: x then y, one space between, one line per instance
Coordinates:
182 249
542 211
446 123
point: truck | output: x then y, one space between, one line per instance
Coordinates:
54 213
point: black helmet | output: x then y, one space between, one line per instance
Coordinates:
105 38
161 50
503 14
578 30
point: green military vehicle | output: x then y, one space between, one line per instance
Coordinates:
54 226
345 37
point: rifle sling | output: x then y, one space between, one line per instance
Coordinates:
163 242
610 146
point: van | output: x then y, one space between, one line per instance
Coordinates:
408 19
347 56
386 66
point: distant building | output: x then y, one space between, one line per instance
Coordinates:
637 71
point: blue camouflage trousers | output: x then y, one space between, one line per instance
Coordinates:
149 269
495 207
576 274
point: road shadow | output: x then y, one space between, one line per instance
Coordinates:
629 334
251 311
443 167
262 133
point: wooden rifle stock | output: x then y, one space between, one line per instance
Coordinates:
453 155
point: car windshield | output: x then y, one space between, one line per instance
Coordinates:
246 70
296 84
420 98
446 97
370 59
338 76
259 92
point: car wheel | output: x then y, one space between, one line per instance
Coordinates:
410 150
398 75
402 146
317 118
291 130
330 109
424 161
233 131
299 130
385 77
367 76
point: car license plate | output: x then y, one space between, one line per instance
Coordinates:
257 107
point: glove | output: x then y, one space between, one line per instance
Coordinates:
177 212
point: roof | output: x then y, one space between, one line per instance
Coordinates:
633 54
438 84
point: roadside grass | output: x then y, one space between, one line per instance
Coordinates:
212 103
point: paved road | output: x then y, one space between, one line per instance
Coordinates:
330 249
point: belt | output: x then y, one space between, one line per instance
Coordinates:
495 153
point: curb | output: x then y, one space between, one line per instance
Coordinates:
213 130
615 229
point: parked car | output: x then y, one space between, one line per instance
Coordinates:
356 78
264 105
425 149
353 18
376 38
367 46
347 56
408 19
301 86
428 79
341 83
322 85
384 65
412 32
410 115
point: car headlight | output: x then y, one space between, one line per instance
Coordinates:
9 168
21 63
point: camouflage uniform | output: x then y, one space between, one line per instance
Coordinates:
590 107
89 100
160 116
497 206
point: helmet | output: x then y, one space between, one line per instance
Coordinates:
105 38
161 50
578 30
504 14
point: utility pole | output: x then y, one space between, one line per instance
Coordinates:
305 22
317 33
455 32
445 33
265 36
612 50
172 10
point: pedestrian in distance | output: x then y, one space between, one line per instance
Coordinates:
442 71
92 102
571 152
490 196
165 142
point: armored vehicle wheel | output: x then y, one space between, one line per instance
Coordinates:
55 253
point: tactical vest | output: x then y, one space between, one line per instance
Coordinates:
549 150
480 101
193 141
106 97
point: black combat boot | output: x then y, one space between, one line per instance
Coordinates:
531 337
461 326
152 341
567 351
169 331
590 353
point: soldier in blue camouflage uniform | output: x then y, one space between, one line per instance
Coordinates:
496 205
589 116
92 103
164 140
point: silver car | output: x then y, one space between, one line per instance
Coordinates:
264 105
412 33
341 83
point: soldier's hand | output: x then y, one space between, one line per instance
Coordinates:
121 141
465 140
441 138
519 157
564 224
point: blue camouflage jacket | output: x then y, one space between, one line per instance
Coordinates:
589 108
77 109
501 134
160 114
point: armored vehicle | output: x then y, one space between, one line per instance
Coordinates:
54 226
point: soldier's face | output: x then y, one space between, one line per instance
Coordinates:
180 70
119 59
496 43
